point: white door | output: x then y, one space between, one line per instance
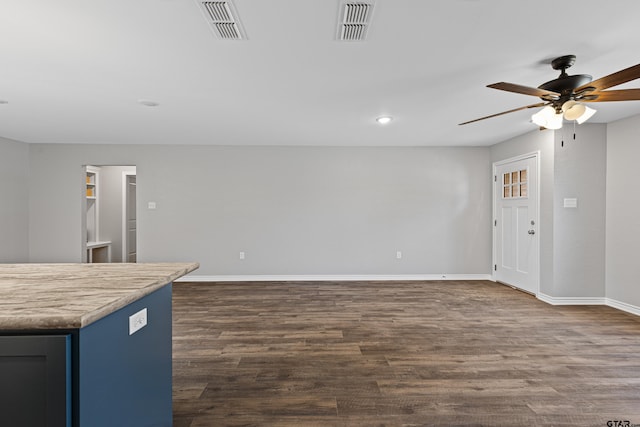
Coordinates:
516 223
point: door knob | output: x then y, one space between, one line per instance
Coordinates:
531 232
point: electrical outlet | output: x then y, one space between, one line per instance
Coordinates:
137 321
398 254
151 205
241 255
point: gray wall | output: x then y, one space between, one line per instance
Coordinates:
292 210
14 201
341 210
623 211
542 142
579 233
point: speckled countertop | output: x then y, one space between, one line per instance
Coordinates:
70 296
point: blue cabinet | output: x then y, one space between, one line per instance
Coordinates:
104 376
125 380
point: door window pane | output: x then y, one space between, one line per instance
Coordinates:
515 184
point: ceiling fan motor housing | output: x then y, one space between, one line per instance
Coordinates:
565 84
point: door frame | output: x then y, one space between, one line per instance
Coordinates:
84 257
125 235
539 226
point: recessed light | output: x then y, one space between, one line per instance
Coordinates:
384 120
148 103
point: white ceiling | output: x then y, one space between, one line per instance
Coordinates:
73 71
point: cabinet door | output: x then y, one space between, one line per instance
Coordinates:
35 380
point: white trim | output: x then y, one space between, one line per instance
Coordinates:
571 300
330 277
619 305
517 158
494 255
96 204
125 235
629 308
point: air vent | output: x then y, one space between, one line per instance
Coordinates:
354 20
223 18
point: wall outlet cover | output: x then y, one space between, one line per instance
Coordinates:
137 321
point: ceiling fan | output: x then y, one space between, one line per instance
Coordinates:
564 97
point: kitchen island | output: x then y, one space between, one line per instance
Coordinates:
86 344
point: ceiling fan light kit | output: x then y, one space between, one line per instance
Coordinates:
547 118
550 118
572 110
588 112
564 97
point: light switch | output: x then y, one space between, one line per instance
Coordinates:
571 203
151 205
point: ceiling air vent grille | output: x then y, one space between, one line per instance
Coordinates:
218 11
354 21
223 18
357 13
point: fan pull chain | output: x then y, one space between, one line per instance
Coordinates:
574 130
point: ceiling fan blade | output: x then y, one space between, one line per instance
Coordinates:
539 104
525 90
614 79
616 95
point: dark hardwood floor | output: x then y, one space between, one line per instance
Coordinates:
398 354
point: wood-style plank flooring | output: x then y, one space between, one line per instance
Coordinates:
398 354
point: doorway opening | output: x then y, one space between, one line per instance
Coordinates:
109 226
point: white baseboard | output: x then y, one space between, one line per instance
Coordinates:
571 300
629 308
330 277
